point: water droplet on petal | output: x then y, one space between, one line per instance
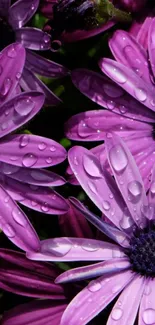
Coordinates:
5 87
8 230
94 286
58 247
45 207
152 189
126 222
117 313
140 94
7 199
106 205
135 190
92 187
116 288
118 158
90 246
29 160
147 290
123 109
23 106
149 316
116 73
42 146
11 53
24 140
49 160
110 104
18 75
91 166
19 217
9 169
52 148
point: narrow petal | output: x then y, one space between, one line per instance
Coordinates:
94 298
93 126
15 224
95 270
42 199
39 177
115 234
19 111
142 35
74 224
4 7
151 45
129 52
33 38
12 61
44 67
147 308
151 195
75 249
129 81
21 12
39 312
35 152
30 82
126 308
106 93
97 183
127 176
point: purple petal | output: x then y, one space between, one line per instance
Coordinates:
21 12
94 298
17 90
129 81
118 236
19 110
44 67
95 270
129 52
39 177
38 312
151 45
74 224
127 176
33 38
12 61
30 82
142 35
75 249
151 195
126 308
4 7
24 277
15 224
97 183
42 199
147 311
106 93
93 126
31 151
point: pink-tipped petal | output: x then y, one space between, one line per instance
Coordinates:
12 61
127 176
21 12
94 298
31 151
75 249
16 225
95 270
126 308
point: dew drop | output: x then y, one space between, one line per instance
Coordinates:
94 286
11 53
152 189
45 207
19 217
116 288
8 169
90 246
42 146
115 73
57 247
126 222
135 190
75 161
18 75
52 148
8 230
110 104
92 187
33 203
91 166
140 94
123 109
29 159
24 106
118 158
106 205
24 140
49 160
117 313
147 290
7 199
5 87
149 316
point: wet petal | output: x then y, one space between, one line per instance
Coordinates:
97 183
129 81
106 93
130 53
44 67
95 270
75 249
42 199
12 61
147 308
126 308
151 195
21 12
33 38
30 82
19 111
15 224
151 45
4 7
93 126
102 291
34 152
142 36
127 176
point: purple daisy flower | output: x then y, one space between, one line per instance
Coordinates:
12 21
128 97
22 156
128 267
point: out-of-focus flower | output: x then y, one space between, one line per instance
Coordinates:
12 21
128 97
128 268
71 21
132 5
23 155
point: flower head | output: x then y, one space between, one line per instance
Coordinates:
12 20
128 267
128 96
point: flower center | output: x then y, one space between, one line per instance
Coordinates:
7 35
142 250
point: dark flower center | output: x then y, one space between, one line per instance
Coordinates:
142 250
7 35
